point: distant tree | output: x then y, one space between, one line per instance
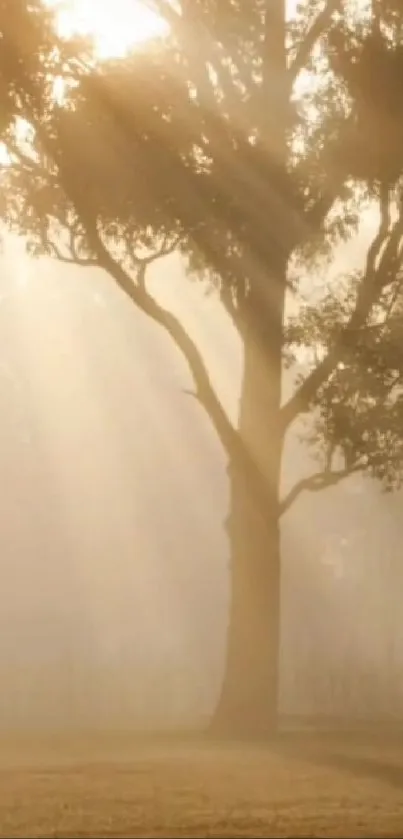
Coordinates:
250 144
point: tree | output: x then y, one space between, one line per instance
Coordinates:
208 150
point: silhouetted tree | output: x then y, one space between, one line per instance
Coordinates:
202 142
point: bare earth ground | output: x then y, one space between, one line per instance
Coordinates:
298 786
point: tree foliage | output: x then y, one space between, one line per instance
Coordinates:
180 145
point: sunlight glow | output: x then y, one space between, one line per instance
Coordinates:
115 25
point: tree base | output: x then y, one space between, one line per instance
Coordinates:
231 723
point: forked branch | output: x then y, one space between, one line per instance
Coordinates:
317 482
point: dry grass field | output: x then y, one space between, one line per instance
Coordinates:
299 786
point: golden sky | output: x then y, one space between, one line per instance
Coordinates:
116 25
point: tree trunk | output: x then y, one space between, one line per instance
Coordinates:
248 701
249 697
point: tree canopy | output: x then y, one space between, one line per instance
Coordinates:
180 145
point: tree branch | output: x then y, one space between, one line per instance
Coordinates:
138 295
379 257
168 247
15 153
313 34
82 262
228 301
317 482
205 394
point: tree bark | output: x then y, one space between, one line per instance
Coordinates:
248 704
249 698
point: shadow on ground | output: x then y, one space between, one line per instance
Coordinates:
373 754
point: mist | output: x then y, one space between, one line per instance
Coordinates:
114 553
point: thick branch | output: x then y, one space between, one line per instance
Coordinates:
205 393
143 300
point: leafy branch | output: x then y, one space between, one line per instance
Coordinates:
380 272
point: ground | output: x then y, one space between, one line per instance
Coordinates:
300 786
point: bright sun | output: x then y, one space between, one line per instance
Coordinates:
115 25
